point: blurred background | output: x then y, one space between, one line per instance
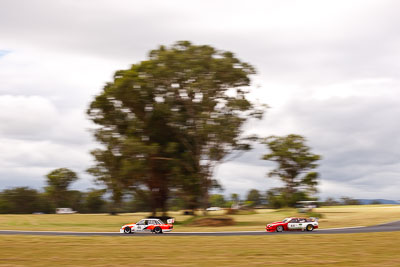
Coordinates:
328 71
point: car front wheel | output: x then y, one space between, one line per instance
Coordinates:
127 230
279 228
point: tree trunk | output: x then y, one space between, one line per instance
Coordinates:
153 202
159 186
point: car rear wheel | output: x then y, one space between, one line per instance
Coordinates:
279 228
127 230
309 227
158 230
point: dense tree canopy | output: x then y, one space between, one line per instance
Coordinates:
217 200
254 197
295 164
167 121
20 200
58 182
94 201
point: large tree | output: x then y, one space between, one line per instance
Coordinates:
295 165
58 182
167 121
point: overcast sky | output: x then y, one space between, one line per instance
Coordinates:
329 70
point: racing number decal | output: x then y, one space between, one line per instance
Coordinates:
294 225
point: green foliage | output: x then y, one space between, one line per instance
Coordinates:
20 200
60 179
58 182
275 198
295 164
75 200
176 204
254 197
140 201
279 197
217 200
94 202
167 121
235 198
350 201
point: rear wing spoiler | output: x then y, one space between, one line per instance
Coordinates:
170 221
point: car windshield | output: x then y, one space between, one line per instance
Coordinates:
286 220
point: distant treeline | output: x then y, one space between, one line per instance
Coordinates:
56 194
25 200
273 200
351 201
28 200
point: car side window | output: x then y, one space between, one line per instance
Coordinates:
293 221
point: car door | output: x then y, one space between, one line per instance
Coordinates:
302 223
149 223
140 225
293 224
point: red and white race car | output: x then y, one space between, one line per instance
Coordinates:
148 225
293 224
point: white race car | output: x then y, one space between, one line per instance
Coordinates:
148 225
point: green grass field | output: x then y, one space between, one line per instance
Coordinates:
373 249
338 216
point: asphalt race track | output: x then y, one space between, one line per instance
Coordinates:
387 227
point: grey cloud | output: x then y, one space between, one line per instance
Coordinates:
357 136
238 177
359 41
109 30
315 63
35 177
